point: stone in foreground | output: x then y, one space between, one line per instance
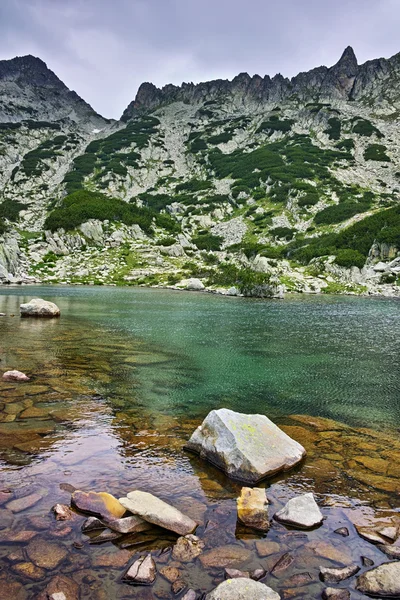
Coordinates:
99 504
156 511
252 508
382 582
242 589
246 447
143 571
301 511
39 308
15 376
335 594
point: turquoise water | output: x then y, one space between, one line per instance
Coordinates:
327 356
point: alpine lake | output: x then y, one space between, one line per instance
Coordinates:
119 383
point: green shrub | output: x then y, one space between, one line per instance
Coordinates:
282 232
10 209
349 258
347 144
194 185
340 212
197 145
166 241
365 127
310 199
334 129
208 241
376 152
3 226
275 124
221 138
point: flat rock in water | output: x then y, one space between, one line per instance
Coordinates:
252 508
39 308
20 504
242 589
60 588
143 571
46 555
301 511
336 575
131 524
187 548
225 556
382 581
335 594
246 447
156 511
99 504
15 376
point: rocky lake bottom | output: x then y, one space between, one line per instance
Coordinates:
119 383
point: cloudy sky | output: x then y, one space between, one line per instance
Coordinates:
104 49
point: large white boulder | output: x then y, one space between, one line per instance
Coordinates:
39 308
246 447
242 589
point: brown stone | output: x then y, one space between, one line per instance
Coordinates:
225 556
187 548
340 554
62 512
47 555
12 589
99 504
298 580
235 573
112 560
252 508
265 547
29 570
337 575
20 504
33 413
132 524
285 561
335 594
17 537
60 588
171 574
178 586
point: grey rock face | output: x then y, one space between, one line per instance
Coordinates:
382 581
242 589
246 447
156 511
301 511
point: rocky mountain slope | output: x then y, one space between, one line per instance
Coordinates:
256 185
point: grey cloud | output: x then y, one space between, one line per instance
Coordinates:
104 49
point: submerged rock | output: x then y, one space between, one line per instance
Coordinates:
143 571
252 508
92 524
335 594
62 512
336 575
39 308
156 511
187 548
99 504
382 581
246 447
301 511
225 556
60 588
46 555
15 376
242 589
20 504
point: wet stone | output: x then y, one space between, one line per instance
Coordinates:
29 570
60 588
17 537
298 580
131 524
20 504
62 512
178 586
235 573
187 548
189 595
243 589
112 560
171 574
225 556
100 504
367 562
343 531
143 571
265 548
15 376
92 524
282 564
339 554
335 594
258 574
337 575
301 511
47 555
392 551
252 508
6 518
382 581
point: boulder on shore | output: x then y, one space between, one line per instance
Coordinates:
242 589
246 447
39 308
301 511
156 511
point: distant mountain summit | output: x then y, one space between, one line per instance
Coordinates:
377 79
29 90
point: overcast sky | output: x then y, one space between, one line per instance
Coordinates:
104 49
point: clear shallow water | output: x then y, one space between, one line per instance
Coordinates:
337 357
123 378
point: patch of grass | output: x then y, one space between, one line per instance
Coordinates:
194 185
